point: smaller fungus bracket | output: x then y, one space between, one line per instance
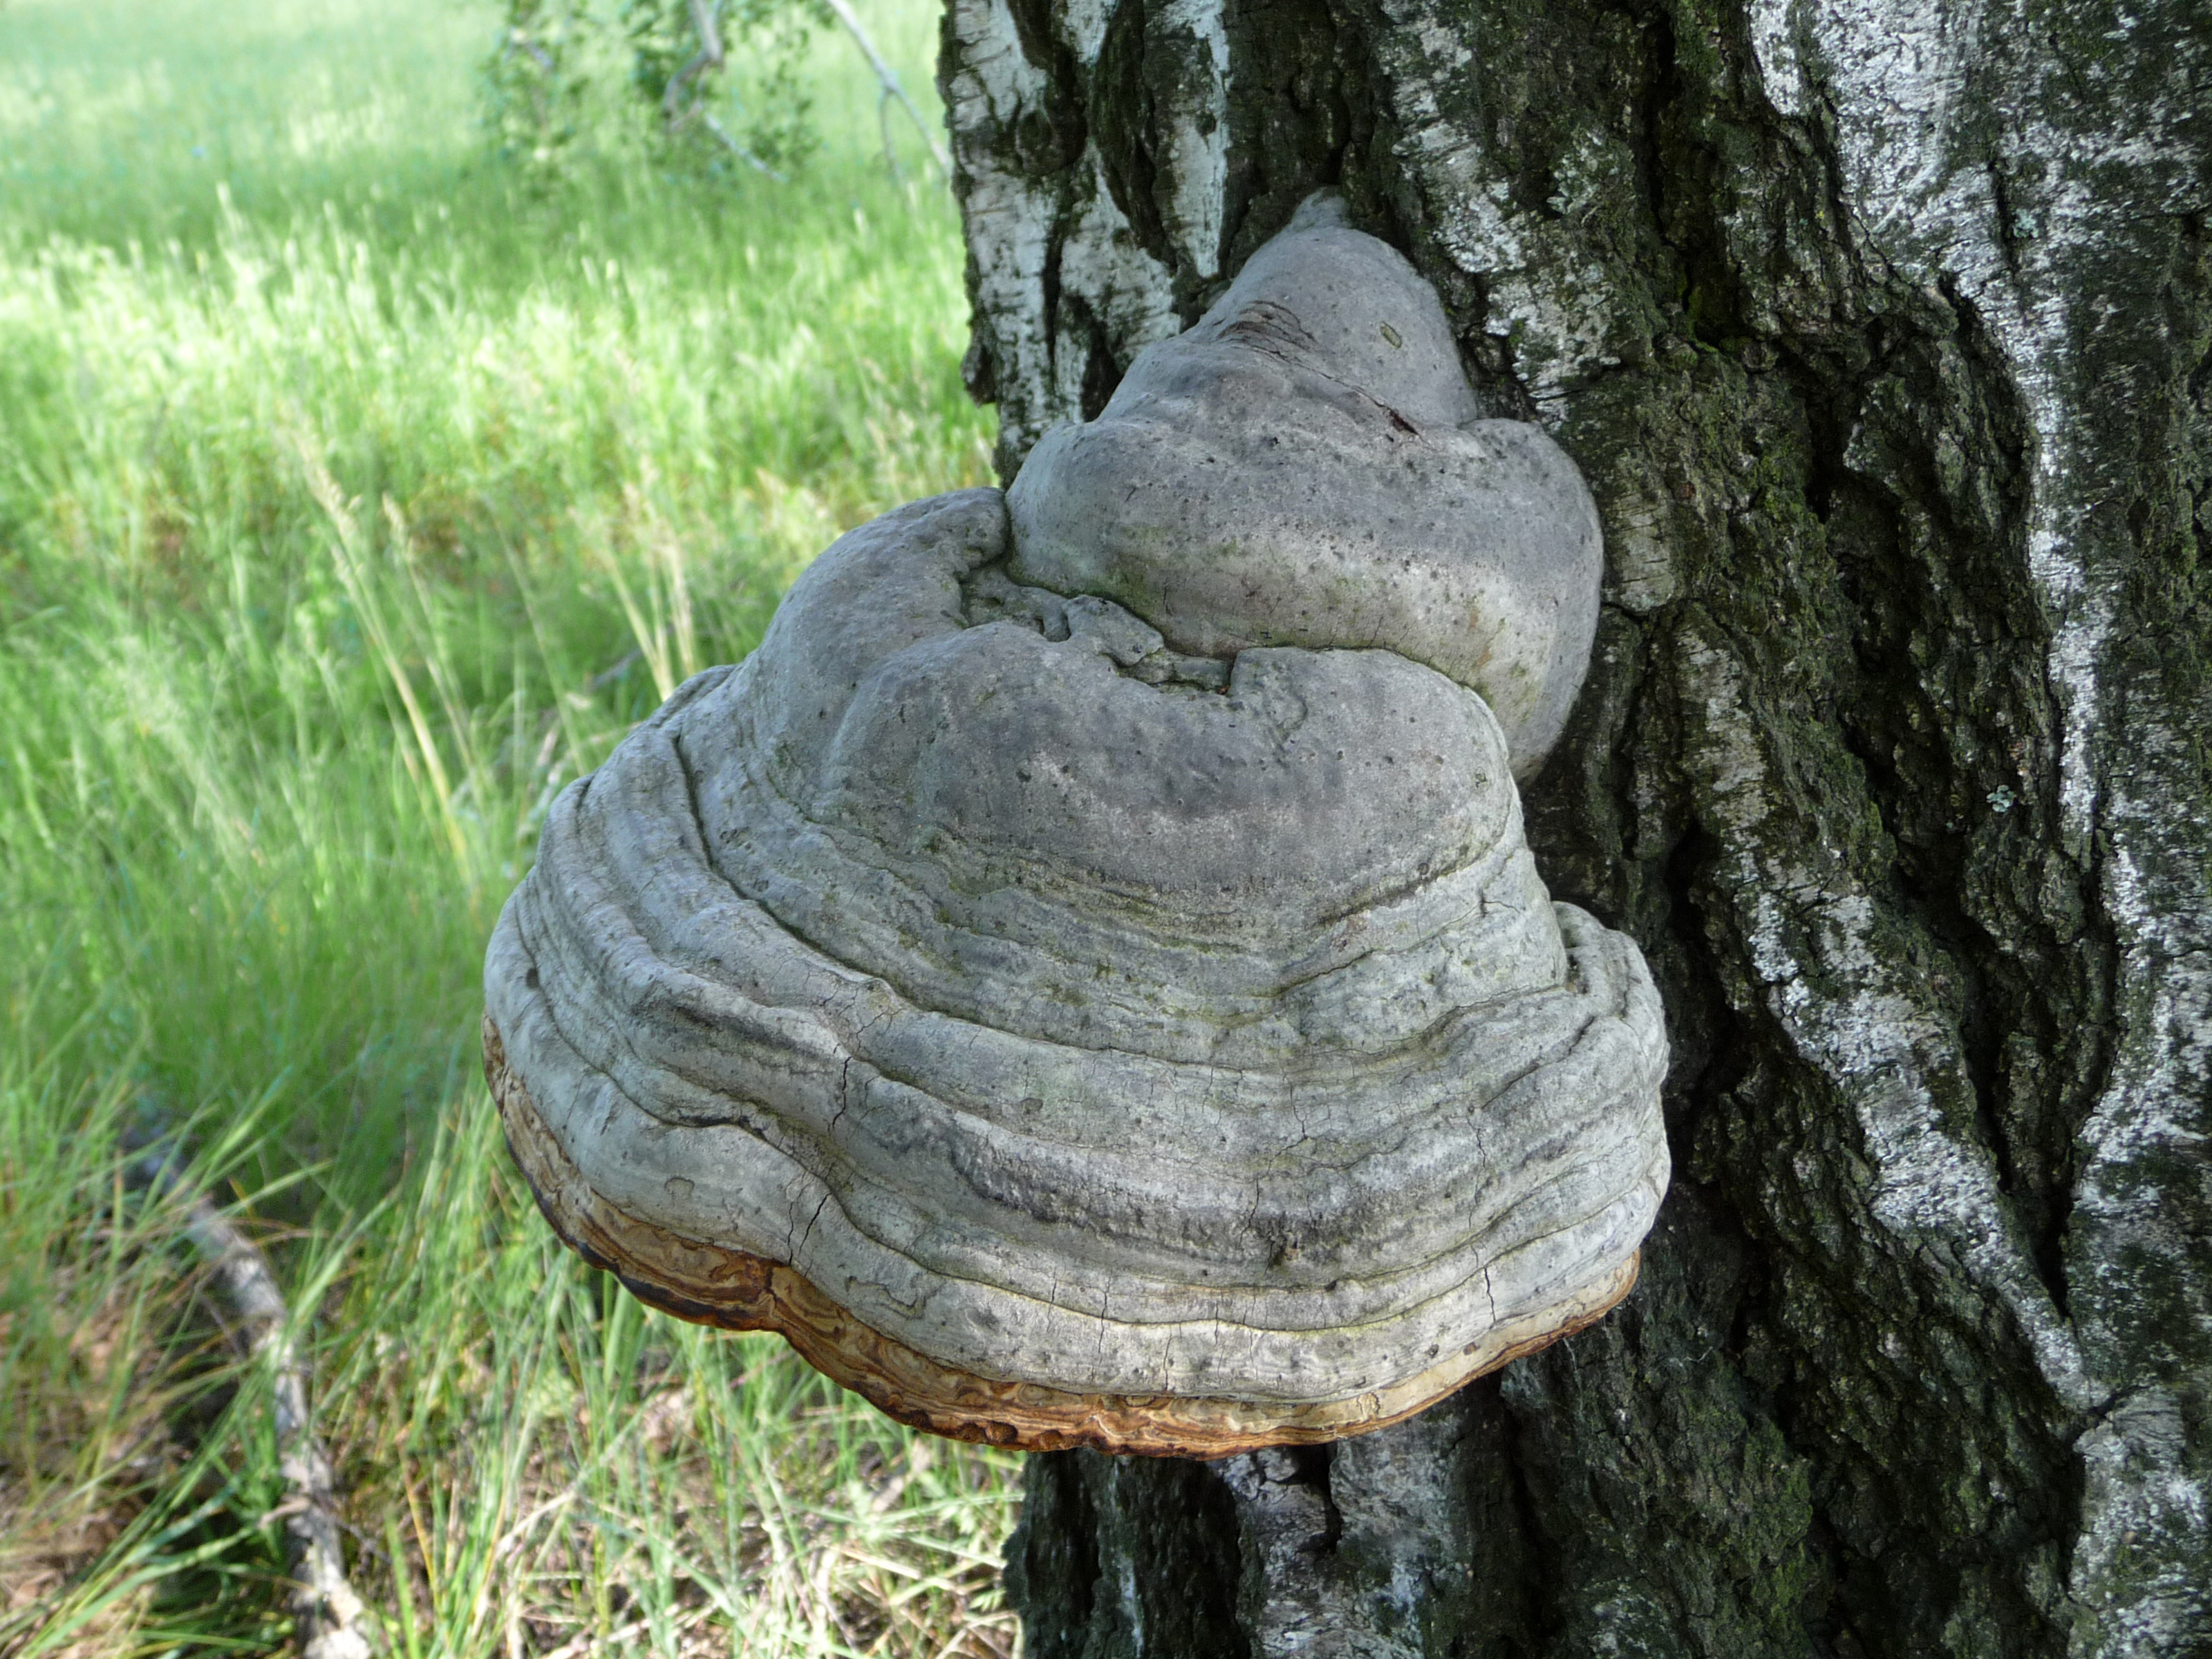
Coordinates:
1308 465
1083 980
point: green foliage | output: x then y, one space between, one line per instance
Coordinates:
535 87
354 498
704 84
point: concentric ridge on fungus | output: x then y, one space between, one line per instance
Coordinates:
1082 980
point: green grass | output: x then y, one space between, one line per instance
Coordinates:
354 497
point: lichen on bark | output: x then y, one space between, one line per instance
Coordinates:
1883 333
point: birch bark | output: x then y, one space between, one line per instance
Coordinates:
1882 330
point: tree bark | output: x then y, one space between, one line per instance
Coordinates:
1881 331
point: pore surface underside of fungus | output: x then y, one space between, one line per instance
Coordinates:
1082 979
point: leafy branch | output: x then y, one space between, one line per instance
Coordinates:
559 74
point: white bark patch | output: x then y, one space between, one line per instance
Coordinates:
1043 362
1893 71
1553 306
1081 25
2138 1499
1197 135
1774 44
1102 264
1008 218
2142 1505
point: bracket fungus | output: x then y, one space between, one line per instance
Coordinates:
1082 980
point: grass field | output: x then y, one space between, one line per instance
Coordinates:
353 499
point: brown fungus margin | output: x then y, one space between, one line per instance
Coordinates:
711 1285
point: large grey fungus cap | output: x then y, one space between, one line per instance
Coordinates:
1309 466
1080 1015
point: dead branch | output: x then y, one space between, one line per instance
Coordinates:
709 56
887 79
328 1614
722 135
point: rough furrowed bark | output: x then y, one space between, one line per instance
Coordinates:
1881 335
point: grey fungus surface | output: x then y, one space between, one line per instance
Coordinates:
1070 1026
1308 466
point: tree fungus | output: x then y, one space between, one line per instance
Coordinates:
1081 979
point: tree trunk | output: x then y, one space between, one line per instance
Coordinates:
1881 331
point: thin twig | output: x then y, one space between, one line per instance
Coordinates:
737 150
709 56
538 55
590 1642
888 80
623 664
328 1613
